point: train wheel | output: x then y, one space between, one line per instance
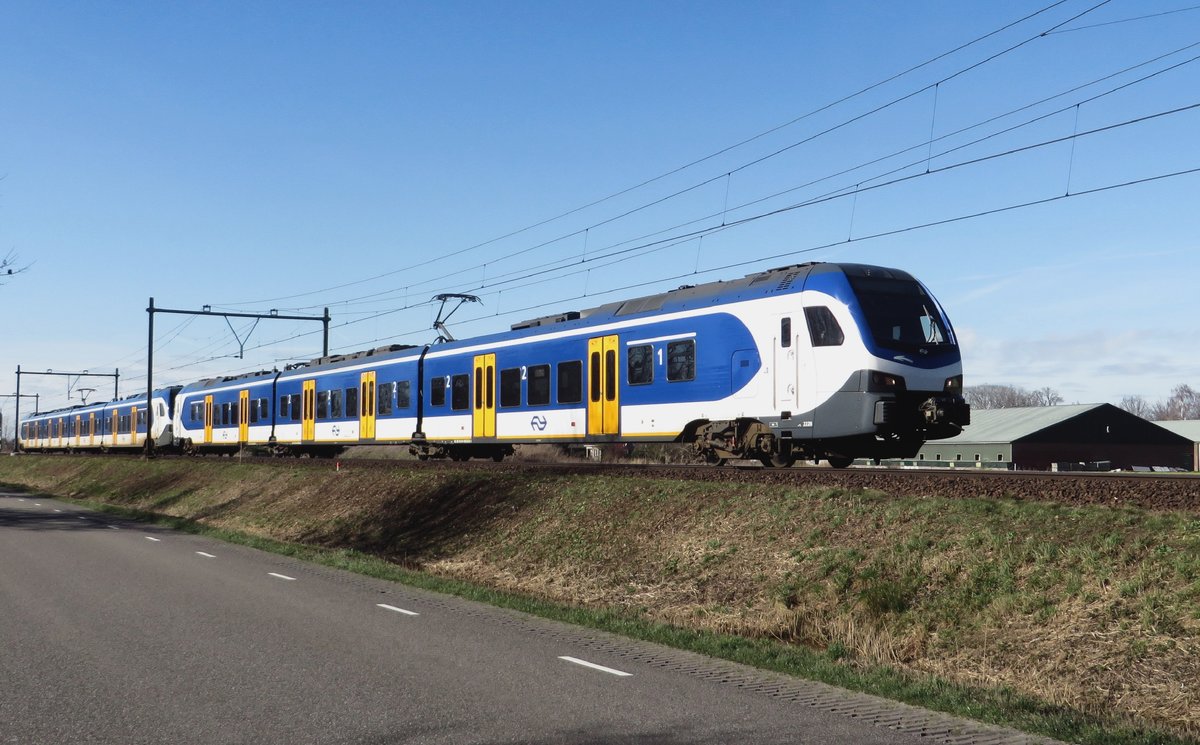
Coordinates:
779 460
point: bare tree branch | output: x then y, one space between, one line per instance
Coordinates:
9 266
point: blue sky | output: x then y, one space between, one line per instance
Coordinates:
257 155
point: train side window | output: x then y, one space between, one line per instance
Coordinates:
570 382
225 414
283 407
823 328
384 396
335 404
254 411
322 404
437 391
295 407
460 392
352 403
681 360
641 364
404 394
539 385
510 387
234 410
264 408
142 418
785 332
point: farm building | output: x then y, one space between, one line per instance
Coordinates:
1189 428
1049 437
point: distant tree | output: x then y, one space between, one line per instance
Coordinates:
1047 397
9 267
1183 403
990 396
1138 406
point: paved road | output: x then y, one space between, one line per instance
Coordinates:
116 632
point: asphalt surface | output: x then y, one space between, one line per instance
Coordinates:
116 632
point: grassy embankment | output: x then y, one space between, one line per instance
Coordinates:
1082 624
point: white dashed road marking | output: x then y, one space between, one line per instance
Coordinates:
398 610
594 666
156 540
282 576
205 555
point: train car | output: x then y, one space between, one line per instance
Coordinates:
821 361
115 425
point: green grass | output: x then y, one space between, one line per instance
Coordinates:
886 587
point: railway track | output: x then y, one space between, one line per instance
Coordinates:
1149 491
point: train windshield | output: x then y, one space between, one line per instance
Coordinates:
901 314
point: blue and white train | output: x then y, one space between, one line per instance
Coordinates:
816 361
115 425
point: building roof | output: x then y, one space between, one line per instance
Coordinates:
1189 428
1010 425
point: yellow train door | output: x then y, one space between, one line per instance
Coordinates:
366 404
116 426
244 416
78 431
92 428
484 416
604 412
208 420
308 412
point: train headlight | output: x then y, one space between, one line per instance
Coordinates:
881 382
954 385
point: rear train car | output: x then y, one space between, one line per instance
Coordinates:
115 425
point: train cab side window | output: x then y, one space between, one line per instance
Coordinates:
437 391
460 392
681 360
404 394
142 418
322 404
384 397
539 385
785 332
295 407
570 382
510 387
823 328
641 364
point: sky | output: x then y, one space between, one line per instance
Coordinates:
1033 163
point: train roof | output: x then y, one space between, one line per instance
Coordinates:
131 398
781 279
758 284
